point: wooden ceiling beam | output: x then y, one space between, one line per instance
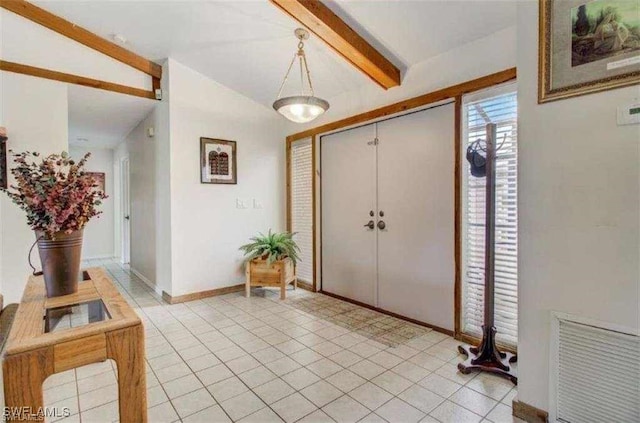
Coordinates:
81 35
74 79
320 20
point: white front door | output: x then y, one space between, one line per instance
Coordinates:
348 179
416 196
125 211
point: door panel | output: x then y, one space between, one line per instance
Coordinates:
416 193
348 195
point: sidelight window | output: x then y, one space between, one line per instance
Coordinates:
497 105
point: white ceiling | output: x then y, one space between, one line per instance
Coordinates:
247 44
101 119
411 31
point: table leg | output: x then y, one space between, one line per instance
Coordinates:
126 348
23 377
247 274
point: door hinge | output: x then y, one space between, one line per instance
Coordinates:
374 142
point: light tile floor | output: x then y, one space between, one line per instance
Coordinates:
310 358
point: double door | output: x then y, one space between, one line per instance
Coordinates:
388 215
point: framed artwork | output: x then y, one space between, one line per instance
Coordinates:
218 159
587 46
99 178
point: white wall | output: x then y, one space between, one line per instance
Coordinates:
140 149
35 114
482 57
163 185
579 212
98 239
206 226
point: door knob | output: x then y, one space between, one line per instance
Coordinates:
381 224
370 225
126 217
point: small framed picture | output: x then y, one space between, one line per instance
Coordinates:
98 177
218 161
586 46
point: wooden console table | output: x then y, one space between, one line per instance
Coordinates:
37 349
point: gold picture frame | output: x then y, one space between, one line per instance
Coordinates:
577 59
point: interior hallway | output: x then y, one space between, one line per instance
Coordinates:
310 358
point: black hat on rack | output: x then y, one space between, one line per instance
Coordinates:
477 161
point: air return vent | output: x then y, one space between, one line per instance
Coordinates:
598 377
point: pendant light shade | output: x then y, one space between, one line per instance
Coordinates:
305 107
301 109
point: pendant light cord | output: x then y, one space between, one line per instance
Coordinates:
286 76
304 59
304 68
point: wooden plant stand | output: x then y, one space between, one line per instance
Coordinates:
278 274
487 357
113 331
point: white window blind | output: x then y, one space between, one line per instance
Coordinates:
499 106
302 206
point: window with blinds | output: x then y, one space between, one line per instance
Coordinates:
499 106
302 206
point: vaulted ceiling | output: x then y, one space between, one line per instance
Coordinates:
248 44
101 119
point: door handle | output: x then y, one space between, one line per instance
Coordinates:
370 225
381 224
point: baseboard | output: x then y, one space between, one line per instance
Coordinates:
529 413
305 285
201 294
103 257
146 280
390 313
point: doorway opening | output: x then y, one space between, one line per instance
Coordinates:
125 210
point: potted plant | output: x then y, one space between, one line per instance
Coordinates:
59 198
271 261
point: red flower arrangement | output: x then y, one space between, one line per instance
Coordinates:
56 194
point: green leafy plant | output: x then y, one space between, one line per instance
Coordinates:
272 247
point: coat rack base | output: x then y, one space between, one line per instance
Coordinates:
488 358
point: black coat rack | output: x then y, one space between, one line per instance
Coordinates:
487 357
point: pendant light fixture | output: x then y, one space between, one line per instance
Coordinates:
304 107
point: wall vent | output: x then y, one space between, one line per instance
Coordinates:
598 375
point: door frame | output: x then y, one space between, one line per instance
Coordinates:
125 203
411 105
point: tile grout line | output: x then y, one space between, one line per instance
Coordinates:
240 316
